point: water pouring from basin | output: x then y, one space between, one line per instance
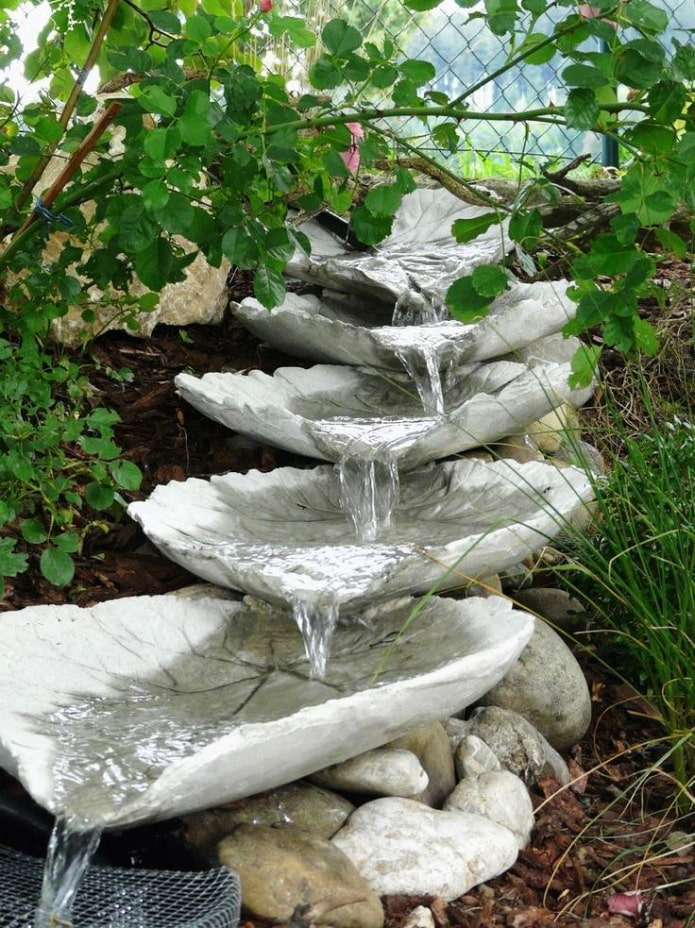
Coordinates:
70 851
368 494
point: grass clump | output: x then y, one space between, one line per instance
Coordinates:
636 571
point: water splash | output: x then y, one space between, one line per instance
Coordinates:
317 622
369 490
70 851
417 307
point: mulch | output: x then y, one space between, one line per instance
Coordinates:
616 830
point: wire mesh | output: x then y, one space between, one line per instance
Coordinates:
463 51
115 897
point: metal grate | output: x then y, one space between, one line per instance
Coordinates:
115 897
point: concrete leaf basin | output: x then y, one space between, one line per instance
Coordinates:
342 329
284 537
145 708
332 412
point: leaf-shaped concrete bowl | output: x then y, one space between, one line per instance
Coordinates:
333 412
284 537
343 329
149 707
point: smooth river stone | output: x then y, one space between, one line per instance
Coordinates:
402 846
285 867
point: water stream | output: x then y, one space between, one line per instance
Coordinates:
368 494
317 622
422 364
70 851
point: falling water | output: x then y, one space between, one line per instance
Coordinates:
317 622
70 850
422 364
368 494
418 308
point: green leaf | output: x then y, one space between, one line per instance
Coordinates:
154 99
67 541
542 55
368 228
405 93
639 64
446 135
155 194
648 193
489 280
465 302
645 16
295 28
419 72
340 38
165 21
33 531
240 247
57 566
584 365
421 6
582 109
197 28
652 137
583 75
194 122
99 495
525 226
154 264
324 75
11 563
666 101
672 242
645 336
465 230
269 286
383 200
127 475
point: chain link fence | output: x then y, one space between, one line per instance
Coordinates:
463 50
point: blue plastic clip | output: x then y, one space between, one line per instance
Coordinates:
48 216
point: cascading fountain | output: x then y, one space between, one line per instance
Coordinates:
151 703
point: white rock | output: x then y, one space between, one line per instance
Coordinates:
498 795
475 757
401 846
384 772
420 917
546 686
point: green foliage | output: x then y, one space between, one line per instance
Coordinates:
637 570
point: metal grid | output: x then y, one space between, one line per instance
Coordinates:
114 897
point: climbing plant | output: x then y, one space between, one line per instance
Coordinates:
194 146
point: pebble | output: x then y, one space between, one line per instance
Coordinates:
382 772
402 846
430 745
518 746
497 795
316 810
284 867
547 686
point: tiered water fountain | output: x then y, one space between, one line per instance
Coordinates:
153 707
